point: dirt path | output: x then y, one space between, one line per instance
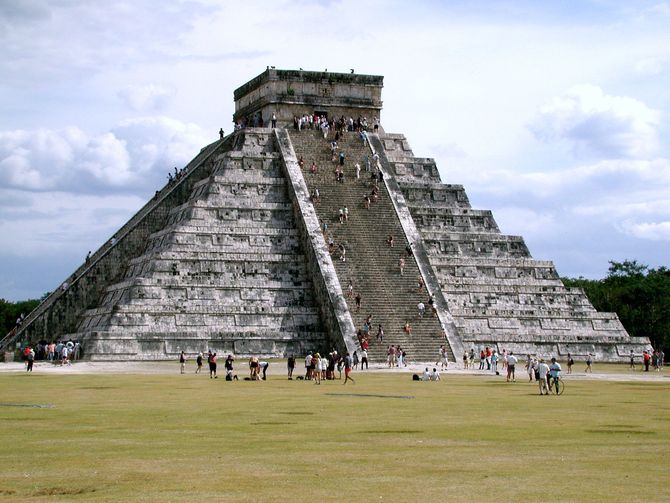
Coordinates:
278 368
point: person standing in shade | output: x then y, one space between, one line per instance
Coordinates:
274 121
316 365
308 366
182 362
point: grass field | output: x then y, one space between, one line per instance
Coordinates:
467 438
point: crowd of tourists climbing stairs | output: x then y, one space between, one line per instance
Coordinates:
360 242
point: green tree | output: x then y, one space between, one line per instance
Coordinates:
10 311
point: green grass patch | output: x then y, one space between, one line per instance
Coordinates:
183 437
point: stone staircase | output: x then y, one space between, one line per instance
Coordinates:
371 264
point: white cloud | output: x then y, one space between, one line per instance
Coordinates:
133 156
596 123
650 66
146 98
654 231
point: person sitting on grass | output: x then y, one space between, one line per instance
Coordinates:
426 375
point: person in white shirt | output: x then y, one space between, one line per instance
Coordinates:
426 375
434 375
308 365
511 363
543 370
554 373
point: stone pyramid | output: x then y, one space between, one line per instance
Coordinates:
233 256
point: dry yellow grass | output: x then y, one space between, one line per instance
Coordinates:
184 438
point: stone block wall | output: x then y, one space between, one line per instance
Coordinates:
226 273
60 313
498 295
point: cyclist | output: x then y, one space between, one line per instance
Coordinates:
554 373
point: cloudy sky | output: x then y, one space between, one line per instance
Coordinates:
555 115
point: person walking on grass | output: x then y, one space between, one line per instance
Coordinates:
348 362
290 364
182 362
442 357
511 364
212 366
542 371
589 364
198 362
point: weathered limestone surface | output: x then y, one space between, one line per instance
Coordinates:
232 256
497 294
60 313
289 93
226 273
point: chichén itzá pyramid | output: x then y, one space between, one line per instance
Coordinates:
236 256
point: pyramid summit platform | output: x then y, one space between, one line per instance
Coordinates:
239 255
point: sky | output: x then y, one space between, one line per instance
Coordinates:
553 114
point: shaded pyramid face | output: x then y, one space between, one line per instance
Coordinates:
226 272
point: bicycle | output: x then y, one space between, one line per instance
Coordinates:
556 385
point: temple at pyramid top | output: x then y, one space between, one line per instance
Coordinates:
290 93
